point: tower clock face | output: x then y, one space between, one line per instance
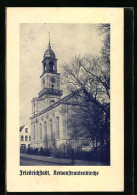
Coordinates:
53 80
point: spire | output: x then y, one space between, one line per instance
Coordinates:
49 41
49 52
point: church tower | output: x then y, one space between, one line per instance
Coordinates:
50 83
50 78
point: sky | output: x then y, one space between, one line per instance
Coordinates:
67 41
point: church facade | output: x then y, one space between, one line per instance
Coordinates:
49 110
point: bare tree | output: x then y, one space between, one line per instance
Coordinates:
87 122
90 118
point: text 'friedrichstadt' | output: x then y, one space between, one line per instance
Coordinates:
55 172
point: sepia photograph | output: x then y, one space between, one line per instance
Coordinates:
64 94
65 99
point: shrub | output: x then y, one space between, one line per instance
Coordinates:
23 150
46 152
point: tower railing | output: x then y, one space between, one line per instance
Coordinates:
50 91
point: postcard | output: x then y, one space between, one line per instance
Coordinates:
65 99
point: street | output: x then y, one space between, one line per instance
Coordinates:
32 162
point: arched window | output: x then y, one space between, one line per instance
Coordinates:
52 101
51 64
40 136
34 108
34 133
51 128
58 131
45 131
45 66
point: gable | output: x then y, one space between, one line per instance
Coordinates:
21 127
74 98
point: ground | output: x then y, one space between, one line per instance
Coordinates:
31 162
34 160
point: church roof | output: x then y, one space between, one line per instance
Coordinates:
62 100
49 53
21 127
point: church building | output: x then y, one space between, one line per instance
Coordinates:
49 110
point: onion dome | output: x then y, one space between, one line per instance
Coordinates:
49 52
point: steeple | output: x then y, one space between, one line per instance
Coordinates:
49 52
49 41
50 78
49 60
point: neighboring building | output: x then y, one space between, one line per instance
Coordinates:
49 110
25 136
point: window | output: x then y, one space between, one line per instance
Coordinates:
23 146
44 66
26 138
22 137
29 138
58 127
26 130
34 133
34 108
43 81
52 101
45 127
51 128
52 87
51 64
40 133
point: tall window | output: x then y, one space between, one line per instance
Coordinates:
34 133
29 138
51 64
51 128
45 128
26 138
40 133
34 107
45 66
52 87
22 138
58 133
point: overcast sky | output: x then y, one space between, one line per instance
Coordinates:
67 41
